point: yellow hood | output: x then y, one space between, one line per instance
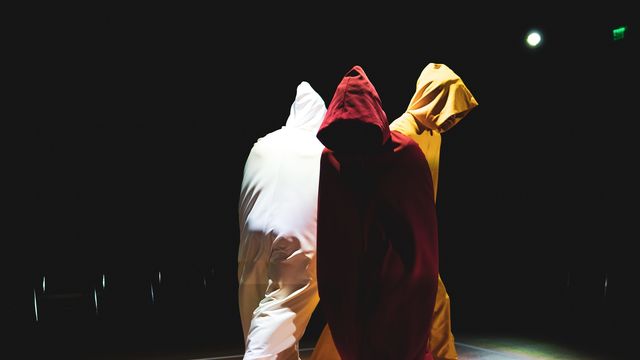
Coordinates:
441 99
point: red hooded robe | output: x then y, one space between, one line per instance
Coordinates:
377 230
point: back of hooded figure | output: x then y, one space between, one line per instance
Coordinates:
277 217
377 230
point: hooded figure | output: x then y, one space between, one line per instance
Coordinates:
277 217
377 230
441 100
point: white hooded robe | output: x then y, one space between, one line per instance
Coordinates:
277 216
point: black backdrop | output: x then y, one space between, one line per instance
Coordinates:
139 122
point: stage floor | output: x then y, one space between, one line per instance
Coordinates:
470 347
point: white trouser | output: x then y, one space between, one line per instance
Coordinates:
277 295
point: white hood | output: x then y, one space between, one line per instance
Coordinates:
307 111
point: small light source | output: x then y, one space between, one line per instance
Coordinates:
618 33
35 305
533 39
95 300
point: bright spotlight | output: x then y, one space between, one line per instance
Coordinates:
534 39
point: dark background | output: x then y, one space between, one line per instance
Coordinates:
138 122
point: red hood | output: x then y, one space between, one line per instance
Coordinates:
355 121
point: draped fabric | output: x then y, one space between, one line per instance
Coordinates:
277 217
440 101
377 230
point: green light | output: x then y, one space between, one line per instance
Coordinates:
618 34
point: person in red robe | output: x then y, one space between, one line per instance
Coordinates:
377 233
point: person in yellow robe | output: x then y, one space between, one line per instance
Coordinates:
441 100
